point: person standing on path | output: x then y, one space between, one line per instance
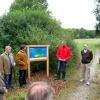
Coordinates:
6 66
21 60
63 55
87 57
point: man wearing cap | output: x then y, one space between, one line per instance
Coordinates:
87 56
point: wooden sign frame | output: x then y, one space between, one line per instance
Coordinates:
38 59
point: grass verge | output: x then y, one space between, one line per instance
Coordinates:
95 90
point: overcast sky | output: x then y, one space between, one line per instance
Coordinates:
74 13
71 13
4 6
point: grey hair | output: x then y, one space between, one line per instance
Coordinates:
7 47
40 91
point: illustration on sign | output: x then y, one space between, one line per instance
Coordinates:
38 52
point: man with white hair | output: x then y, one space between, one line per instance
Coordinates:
40 91
6 65
87 56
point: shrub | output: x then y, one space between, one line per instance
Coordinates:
25 24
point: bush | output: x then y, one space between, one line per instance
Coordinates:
27 25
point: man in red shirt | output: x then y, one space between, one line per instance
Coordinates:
63 55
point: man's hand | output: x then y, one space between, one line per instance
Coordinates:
5 89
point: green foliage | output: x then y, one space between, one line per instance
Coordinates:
29 4
26 25
92 43
15 95
82 33
18 26
97 13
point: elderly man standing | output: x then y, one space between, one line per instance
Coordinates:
87 56
21 60
6 66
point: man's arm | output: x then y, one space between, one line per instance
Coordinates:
91 55
1 65
18 60
57 53
69 54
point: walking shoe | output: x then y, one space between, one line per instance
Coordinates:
57 78
64 79
87 83
82 80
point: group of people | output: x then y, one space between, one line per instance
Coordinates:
63 55
7 65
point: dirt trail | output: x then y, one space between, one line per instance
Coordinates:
82 92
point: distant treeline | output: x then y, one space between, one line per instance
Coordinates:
83 33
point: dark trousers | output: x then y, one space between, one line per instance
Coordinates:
8 80
61 64
22 77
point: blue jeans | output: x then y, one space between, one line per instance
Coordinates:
8 80
61 64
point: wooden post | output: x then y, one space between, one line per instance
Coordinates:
47 61
28 64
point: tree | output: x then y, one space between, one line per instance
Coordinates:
97 12
28 22
23 18
29 4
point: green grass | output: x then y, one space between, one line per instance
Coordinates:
93 44
15 94
95 90
98 85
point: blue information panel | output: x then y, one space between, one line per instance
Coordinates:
38 52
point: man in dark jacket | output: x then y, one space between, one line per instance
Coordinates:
63 55
87 56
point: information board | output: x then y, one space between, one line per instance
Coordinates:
38 53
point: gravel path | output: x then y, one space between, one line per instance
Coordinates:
82 92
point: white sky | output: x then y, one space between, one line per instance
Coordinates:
74 13
71 13
4 6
